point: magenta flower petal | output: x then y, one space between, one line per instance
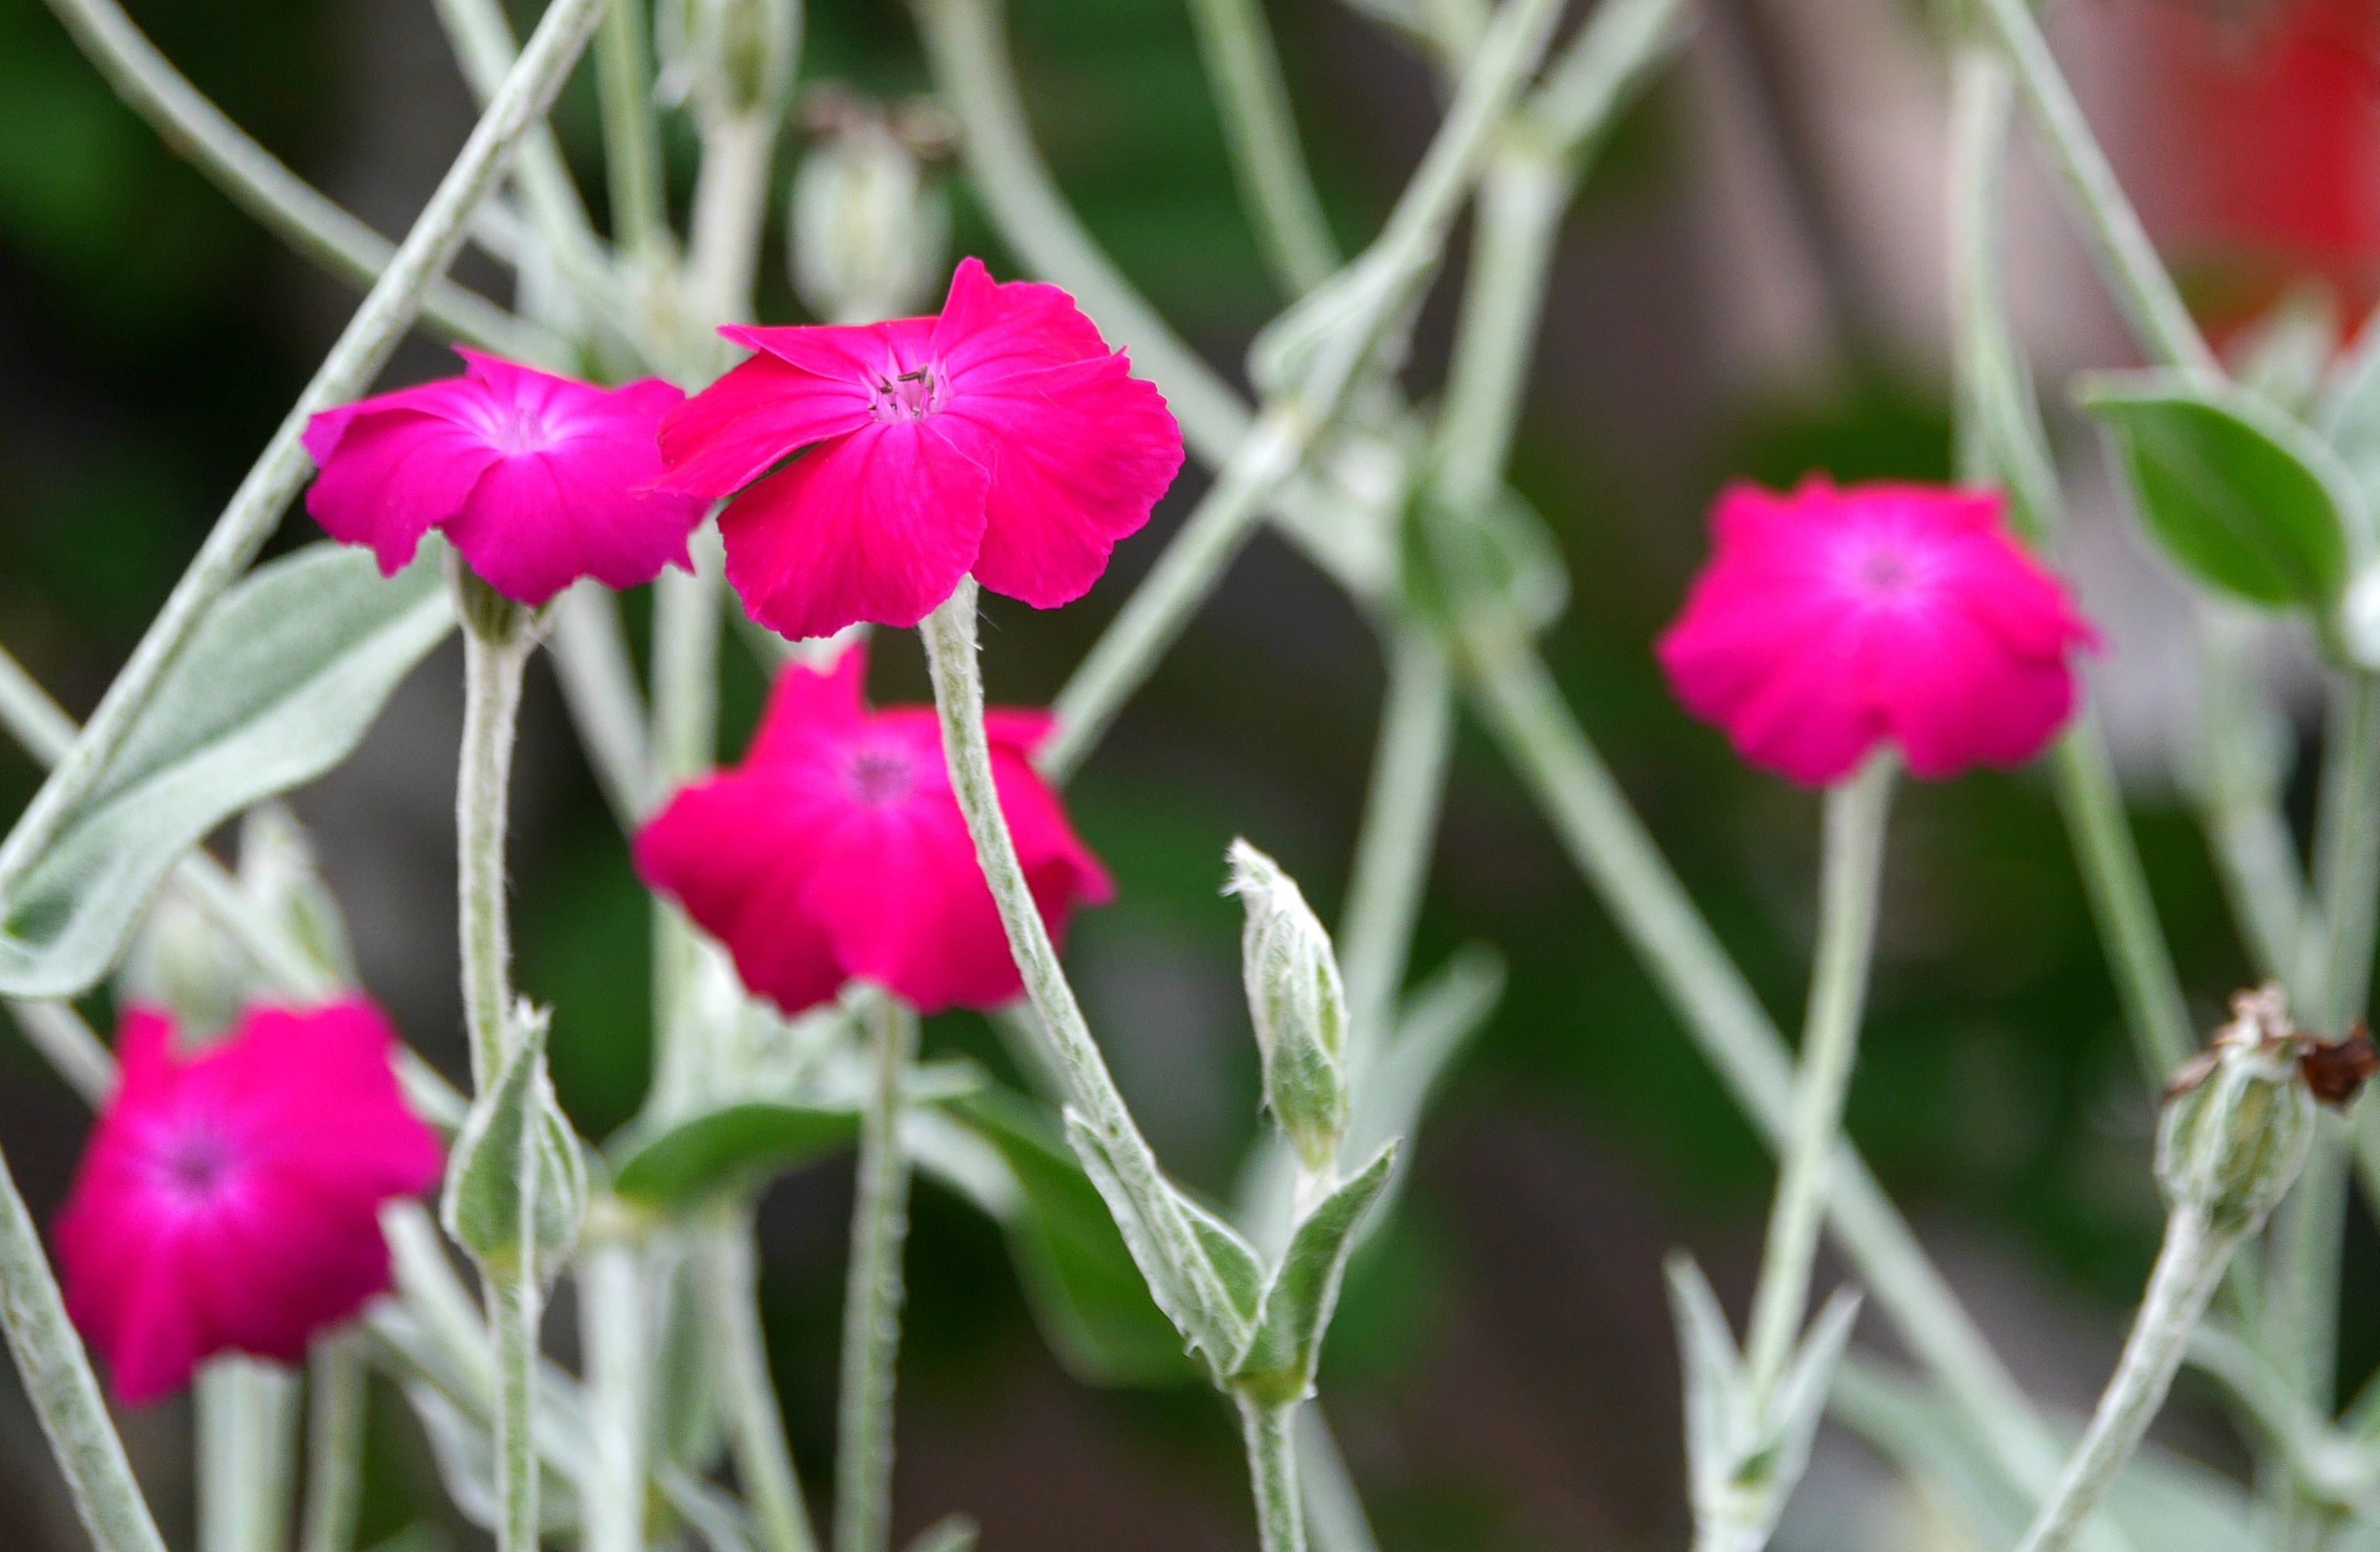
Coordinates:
230 1201
1070 452
538 480
879 525
1829 621
837 852
749 420
1086 450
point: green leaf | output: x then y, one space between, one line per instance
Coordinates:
1228 1256
1495 563
741 1147
1279 1363
955 1534
515 1141
1086 1294
278 684
2239 497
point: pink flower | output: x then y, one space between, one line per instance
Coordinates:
538 480
230 1201
1832 621
837 852
1001 437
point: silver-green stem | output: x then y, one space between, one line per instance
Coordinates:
1850 876
872 1290
1522 198
589 652
2189 1267
730 206
283 203
515 1309
632 135
1526 712
68 1044
1261 131
2000 439
2110 227
950 634
1270 1429
730 1282
2331 985
493 671
615 1331
247 1450
58 1380
337 1386
686 617
481 36
1392 848
1154 617
264 495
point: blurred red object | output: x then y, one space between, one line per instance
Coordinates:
2259 132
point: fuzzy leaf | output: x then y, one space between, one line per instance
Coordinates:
1279 1363
1498 562
516 1142
2239 497
1232 1260
1713 1373
1086 1293
465 1458
278 684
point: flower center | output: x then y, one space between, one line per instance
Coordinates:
1884 573
878 776
195 1164
912 396
517 429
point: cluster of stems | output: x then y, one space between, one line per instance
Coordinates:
1524 115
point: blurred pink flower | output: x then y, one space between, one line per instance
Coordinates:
1001 437
536 480
230 1201
836 851
1831 620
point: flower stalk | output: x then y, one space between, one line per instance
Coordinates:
730 1278
1270 1429
336 1390
1856 812
872 1295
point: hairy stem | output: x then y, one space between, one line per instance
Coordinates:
1261 131
493 671
247 1443
1270 1429
336 1390
264 495
756 1422
58 1380
872 1290
950 633
1848 888
686 613
589 648
515 1309
632 132
731 203
1525 711
615 1331
2000 439
2189 1266
2110 227
1392 849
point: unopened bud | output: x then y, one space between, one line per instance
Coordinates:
2237 1123
727 58
181 961
1298 1006
278 874
871 227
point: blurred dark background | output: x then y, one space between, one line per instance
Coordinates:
1751 285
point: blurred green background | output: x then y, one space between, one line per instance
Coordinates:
1502 1375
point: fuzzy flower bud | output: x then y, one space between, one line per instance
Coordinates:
2237 1123
1298 1006
181 961
727 58
872 227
